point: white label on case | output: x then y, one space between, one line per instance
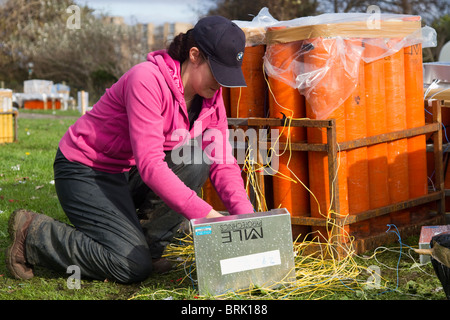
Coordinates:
250 262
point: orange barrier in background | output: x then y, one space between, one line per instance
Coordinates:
39 104
285 100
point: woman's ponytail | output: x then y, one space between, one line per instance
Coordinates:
181 45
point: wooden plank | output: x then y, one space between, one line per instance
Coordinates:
274 122
299 146
438 155
435 196
445 147
310 221
333 169
236 122
391 136
362 245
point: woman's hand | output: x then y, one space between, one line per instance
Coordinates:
214 214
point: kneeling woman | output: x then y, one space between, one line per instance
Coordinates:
137 124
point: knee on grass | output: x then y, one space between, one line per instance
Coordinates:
136 267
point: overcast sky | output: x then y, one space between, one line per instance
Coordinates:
149 11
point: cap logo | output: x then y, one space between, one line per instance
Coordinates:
239 56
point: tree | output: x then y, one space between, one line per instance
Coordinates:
288 9
279 9
429 10
442 27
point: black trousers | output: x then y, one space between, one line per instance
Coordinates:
107 239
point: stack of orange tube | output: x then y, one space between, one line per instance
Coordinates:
285 101
387 97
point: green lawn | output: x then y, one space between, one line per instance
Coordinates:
26 181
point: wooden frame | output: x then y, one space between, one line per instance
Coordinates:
332 148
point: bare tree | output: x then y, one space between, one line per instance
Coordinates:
442 27
429 10
279 9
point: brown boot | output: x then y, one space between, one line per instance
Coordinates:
162 265
15 256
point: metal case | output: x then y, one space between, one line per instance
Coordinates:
238 252
426 233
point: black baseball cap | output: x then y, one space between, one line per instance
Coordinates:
223 42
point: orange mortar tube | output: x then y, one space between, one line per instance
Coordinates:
357 163
210 196
396 120
243 103
226 100
319 179
249 101
415 117
377 154
283 99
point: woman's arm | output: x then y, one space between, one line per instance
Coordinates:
145 98
225 174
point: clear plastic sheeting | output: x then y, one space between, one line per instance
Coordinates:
329 49
325 70
255 30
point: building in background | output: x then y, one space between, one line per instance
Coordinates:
143 38
164 34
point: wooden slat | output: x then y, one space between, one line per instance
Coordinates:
391 136
438 155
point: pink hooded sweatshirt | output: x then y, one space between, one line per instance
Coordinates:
134 123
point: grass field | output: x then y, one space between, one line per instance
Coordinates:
26 181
